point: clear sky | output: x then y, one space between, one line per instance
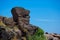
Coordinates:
44 13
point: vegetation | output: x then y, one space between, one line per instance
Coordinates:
39 35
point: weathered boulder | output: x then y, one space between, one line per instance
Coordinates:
19 12
52 36
21 17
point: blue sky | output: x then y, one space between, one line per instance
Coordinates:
44 13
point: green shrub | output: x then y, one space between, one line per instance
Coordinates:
39 35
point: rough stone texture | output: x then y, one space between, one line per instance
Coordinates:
21 17
20 13
52 36
19 26
1 17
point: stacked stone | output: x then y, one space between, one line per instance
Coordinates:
21 17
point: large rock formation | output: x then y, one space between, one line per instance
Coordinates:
18 27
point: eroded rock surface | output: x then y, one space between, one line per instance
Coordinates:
17 27
52 36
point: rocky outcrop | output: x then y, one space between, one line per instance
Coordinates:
52 36
18 27
21 17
